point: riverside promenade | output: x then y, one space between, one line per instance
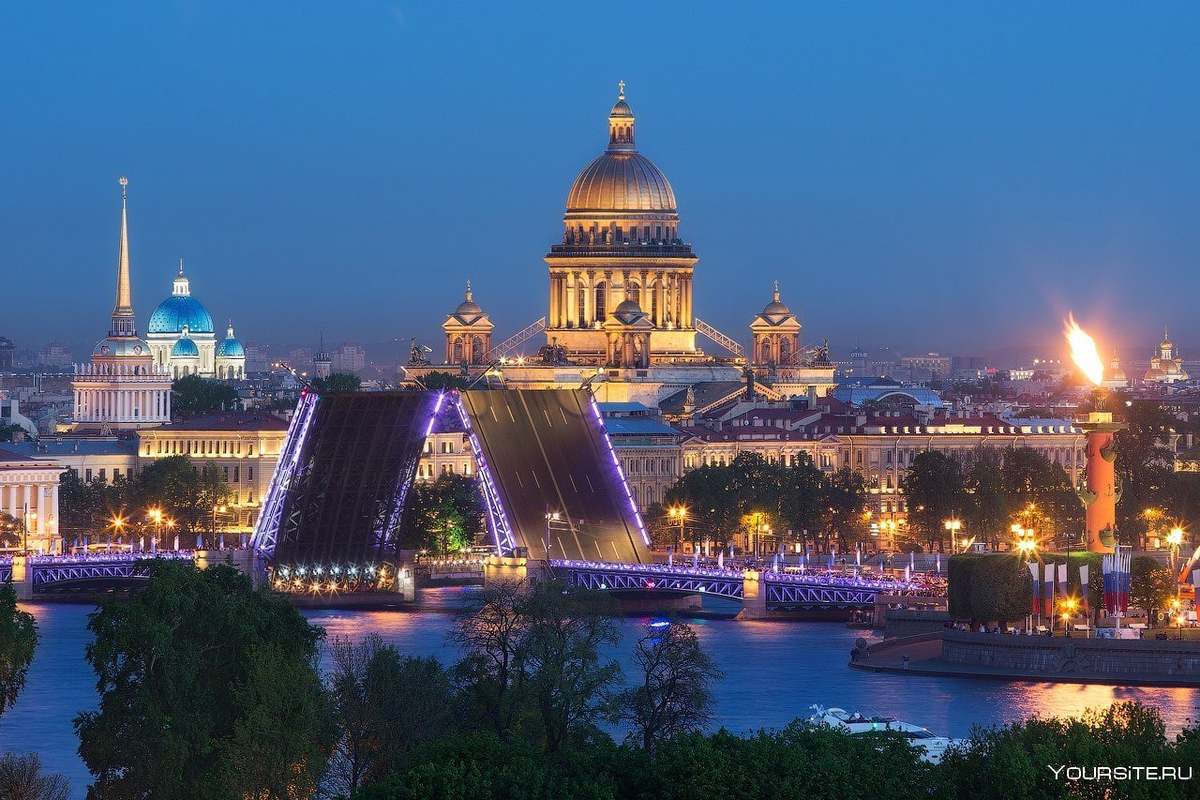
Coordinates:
1061 659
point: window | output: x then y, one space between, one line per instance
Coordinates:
236 475
88 476
249 474
226 473
103 476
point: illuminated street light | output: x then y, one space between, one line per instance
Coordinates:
680 513
952 527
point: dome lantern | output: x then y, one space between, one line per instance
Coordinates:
620 124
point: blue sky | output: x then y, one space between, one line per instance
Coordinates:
931 175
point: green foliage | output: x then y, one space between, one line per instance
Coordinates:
441 381
960 572
386 705
935 489
444 516
1143 465
1016 757
9 432
532 664
338 382
988 587
18 640
183 492
198 674
193 394
1151 585
674 696
798 497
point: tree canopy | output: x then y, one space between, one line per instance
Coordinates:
193 394
338 382
18 640
208 688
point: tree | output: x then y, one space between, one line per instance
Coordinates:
1151 586
568 679
1143 468
9 432
193 394
442 381
986 512
338 382
190 670
845 499
18 640
11 531
800 504
386 705
490 675
710 496
185 494
935 490
445 516
21 778
1041 494
282 739
675 695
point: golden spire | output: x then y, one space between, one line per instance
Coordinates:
123 310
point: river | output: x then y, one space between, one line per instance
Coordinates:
773 672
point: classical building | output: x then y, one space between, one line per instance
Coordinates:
29 494
620 316
244 445
122 387
1166 366
183 339
468 333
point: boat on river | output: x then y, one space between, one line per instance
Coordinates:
932 746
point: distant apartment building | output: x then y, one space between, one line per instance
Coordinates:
258 357
349 357
7 353
55 354
927 367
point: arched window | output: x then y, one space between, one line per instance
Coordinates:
635 292
601 301
766 351
477 350
785 351
458 350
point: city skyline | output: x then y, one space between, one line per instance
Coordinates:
854 192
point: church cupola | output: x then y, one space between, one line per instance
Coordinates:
620 124
180 287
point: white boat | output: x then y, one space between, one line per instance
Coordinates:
931 745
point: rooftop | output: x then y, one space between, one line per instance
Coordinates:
228 421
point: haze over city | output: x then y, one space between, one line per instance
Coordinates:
347 169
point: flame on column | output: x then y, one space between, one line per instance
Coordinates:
1083 351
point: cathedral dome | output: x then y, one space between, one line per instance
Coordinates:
185 348
622 179
181 311
230 347
628 307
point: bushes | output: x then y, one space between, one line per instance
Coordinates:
992 587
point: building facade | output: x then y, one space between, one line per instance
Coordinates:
245 446
29 494
122 387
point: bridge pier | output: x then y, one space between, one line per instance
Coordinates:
22 578
754 596
515 569
248 562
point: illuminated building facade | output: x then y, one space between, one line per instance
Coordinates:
122 387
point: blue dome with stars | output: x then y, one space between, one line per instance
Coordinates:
181 311
230 347
185 348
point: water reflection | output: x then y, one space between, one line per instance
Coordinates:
773 672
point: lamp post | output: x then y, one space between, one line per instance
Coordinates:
680 513
157 516
952 527
1174 539
117 524
551 516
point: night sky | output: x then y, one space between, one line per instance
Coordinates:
930 176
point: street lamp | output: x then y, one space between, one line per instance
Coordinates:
551 516
680 513
156 515
1175 538
952 527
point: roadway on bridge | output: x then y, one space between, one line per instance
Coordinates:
546 450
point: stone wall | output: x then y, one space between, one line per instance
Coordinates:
903 622
1060 655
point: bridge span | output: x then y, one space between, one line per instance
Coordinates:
39 574
761 592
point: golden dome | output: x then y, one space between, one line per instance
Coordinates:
621 182
621 179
